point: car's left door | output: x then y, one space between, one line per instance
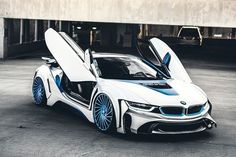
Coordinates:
69 56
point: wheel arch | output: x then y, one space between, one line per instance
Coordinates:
43 73
50 86
119 108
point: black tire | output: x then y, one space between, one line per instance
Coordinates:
104 114
39 93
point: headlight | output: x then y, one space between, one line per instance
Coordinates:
139 106
208 106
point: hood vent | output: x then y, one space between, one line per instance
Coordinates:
157 85
163 88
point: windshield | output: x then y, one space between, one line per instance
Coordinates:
125 68
189 32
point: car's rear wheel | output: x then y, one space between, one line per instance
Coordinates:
39 93
103 113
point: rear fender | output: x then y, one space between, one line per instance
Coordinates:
53 93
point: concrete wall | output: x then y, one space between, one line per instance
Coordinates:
217 13
25 48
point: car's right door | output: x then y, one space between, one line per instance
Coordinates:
167 59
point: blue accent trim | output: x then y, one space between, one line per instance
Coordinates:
166 59
170 91
58 81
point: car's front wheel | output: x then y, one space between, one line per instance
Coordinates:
39 93
103 113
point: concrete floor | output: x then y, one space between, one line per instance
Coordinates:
28 130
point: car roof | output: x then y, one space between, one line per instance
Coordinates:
190 27
116 55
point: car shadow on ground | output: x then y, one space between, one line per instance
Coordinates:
166 138
70 112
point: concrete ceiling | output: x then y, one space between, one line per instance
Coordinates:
216 13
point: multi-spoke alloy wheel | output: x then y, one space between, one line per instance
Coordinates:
39 92
103 113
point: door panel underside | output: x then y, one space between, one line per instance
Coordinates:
175 67
161 55
80 91
67 57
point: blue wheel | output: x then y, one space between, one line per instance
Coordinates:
39 92
103 113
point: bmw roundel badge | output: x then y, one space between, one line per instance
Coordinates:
183 102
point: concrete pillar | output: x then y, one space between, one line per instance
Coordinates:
146 33
143 31
60 26
52 24
205 32
36 30
21 30
2 42
140 35
176 31
49 23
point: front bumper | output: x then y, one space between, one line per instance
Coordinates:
147 124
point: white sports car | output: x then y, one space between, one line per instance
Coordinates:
120 92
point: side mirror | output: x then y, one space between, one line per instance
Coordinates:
88 58
166 59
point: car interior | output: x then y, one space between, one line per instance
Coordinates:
81 91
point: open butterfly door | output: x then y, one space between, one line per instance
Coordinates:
69 56
167 59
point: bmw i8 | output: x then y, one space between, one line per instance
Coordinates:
121 92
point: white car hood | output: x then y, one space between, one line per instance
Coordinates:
179 91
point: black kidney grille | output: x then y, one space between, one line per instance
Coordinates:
195 109
180 111
172 111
